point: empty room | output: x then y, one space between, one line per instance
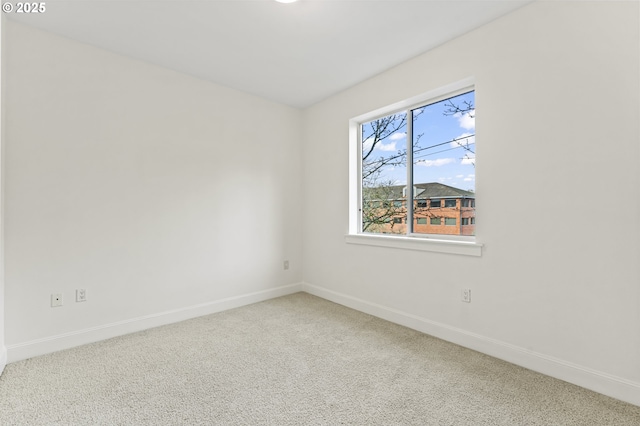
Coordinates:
282 212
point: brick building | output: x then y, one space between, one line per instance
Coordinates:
438 209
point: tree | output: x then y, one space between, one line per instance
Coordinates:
457 110
378 209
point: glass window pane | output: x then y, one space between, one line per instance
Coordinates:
443 166
384 174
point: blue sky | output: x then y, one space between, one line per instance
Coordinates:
446 162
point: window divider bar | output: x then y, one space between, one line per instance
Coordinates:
360 203
409 192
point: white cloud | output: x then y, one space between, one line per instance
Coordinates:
468 160
435 163
471 176
396 136
366 145
386 147
469 179
465 139
467 120
459 176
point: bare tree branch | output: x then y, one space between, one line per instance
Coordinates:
453 109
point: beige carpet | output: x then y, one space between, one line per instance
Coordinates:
295 360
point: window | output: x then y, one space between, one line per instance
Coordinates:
397 220
449 221
420 152
426 150
465 221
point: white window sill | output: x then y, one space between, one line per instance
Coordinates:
467 248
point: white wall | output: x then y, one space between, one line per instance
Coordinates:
556 289
163 195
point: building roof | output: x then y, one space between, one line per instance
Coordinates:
422 191
435 189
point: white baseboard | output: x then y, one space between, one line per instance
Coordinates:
59 342
596 381
3 358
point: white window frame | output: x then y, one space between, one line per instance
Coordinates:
463 245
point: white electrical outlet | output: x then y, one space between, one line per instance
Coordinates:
56 300
286 264
81 295
466 295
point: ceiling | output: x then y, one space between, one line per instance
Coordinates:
296 54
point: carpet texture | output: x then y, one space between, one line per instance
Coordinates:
294 360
